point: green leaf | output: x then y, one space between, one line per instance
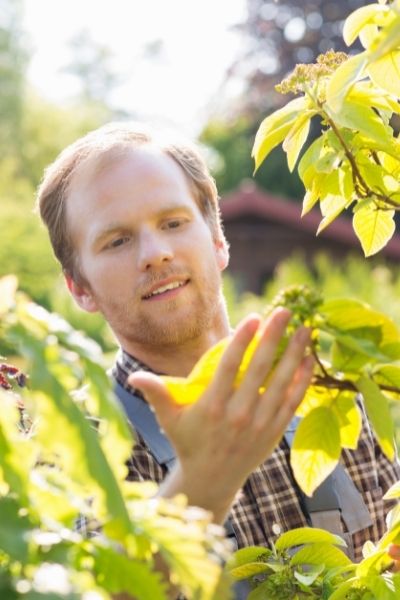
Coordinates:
342 79
378 411
385 72
383 587
346 314
357 20
387 40
249 569
247 555
309 158
389 375
374 228
307 535
117 573
342 590
310 576
14 527
331 207
275 128
366 93
296 138
350 420
316 448
363 119
320 553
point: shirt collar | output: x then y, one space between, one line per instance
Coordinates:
125 365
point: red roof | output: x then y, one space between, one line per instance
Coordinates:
249 200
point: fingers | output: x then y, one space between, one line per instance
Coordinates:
156 394
222 384
262 360
289 381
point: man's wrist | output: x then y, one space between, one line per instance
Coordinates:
198 492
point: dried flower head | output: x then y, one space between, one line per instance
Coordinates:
307 75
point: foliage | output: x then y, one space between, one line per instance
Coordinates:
63 462
276 36
230 142
307 563
362 346
355 162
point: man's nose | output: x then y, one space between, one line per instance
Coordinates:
154 250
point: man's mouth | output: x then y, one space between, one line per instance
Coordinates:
163 289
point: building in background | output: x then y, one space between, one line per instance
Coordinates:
264 229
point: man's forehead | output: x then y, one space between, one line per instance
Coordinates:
146 158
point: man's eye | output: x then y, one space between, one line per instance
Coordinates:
174 223
118 242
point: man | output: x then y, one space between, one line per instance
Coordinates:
134 222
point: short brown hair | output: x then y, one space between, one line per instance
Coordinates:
99 145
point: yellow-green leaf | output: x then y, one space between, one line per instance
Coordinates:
316 448
317 554
385 72
307 535
365 93
387 40
296 138
275 128
358 19
249 569
349 417
377 406
342 79
374 228
362 119
331 207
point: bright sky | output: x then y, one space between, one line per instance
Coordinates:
197 47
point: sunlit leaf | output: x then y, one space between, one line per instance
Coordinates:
296 138
316 448
350 420
307 535
342 79
317 554
385 72
275 128
374 228
378 411
359 18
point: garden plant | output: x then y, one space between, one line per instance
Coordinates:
72 527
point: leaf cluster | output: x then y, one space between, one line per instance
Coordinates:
355 161
311 563
70 523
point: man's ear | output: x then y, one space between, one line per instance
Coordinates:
81 294
222 251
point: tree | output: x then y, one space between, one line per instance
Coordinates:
13 62
279 35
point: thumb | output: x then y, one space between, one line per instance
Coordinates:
157 395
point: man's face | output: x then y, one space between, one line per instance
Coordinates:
147 256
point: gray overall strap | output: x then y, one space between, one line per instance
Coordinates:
144 421
335 499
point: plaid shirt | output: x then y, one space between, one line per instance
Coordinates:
270 500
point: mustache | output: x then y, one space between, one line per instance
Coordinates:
155 277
